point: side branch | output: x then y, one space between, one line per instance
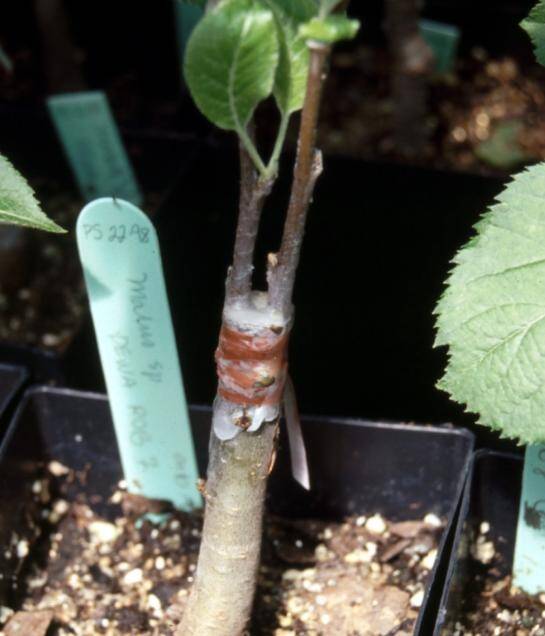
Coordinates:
253 192
308 167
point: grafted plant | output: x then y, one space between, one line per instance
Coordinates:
244 52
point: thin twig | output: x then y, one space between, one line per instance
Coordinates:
308 167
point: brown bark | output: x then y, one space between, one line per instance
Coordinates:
412 62
253 192
225 579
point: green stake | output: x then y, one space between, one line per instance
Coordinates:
92 143
443 40
528 573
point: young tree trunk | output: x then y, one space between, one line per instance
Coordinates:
252 368
412 61
222 594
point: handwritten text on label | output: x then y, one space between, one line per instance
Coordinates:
120 255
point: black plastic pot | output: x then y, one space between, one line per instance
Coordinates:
492 494
43 366
77 366
402 471
12 381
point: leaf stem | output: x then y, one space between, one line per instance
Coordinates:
252 151
272 167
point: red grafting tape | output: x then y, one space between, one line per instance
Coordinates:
252 367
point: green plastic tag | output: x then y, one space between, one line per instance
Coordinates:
187 17
93 146
443 40
529 562
120 255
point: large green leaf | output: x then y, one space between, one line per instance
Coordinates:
292 72
534 25
492 315
18 205
231 61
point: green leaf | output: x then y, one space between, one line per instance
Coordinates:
330 29
18 205
292 72
231 62
492 314
534 25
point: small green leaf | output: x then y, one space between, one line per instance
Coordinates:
18 205
492 314
331 29
231 62
534 25
292 72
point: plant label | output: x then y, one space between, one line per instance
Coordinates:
121 262
529 562
443 40
187 17
93 146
